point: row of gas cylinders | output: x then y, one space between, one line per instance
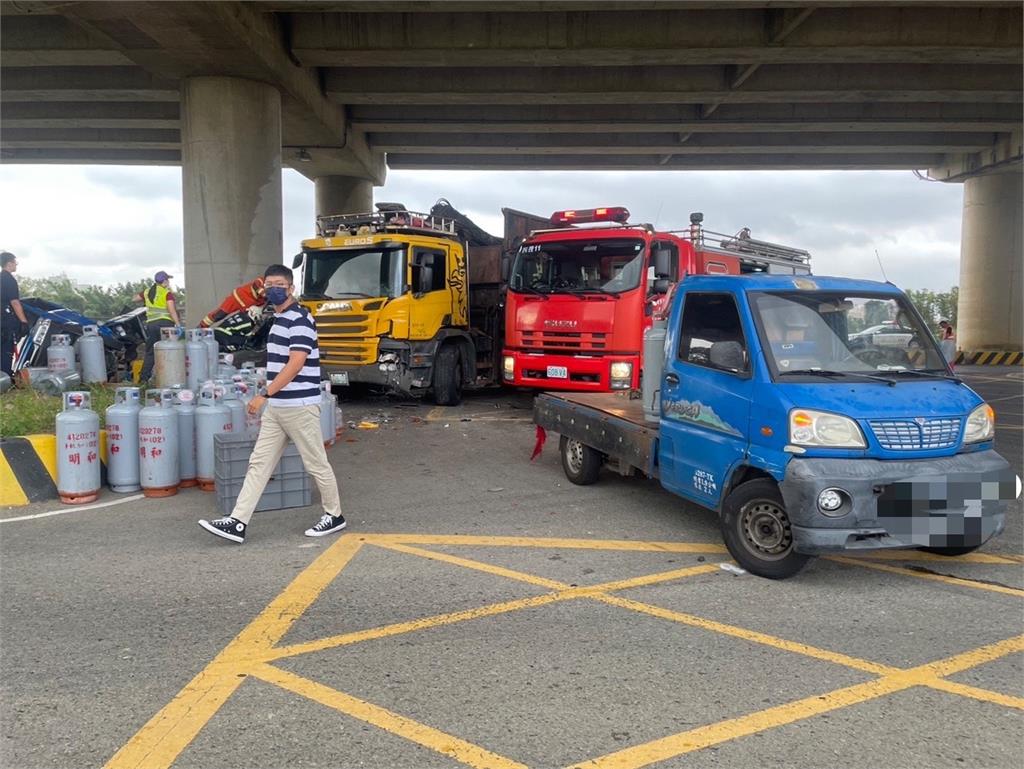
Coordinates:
161 446
190 361
68 365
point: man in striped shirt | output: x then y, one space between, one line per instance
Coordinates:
292 400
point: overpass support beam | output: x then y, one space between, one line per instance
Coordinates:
231 185
343 195
991 311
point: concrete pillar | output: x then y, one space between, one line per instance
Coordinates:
343 195
990 311
231 186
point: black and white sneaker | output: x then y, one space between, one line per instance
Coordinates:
327 524
228 528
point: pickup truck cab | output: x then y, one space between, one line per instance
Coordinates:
804 442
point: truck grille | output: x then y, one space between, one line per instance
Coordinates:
345 339
908 434
563 342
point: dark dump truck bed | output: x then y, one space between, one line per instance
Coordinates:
611 423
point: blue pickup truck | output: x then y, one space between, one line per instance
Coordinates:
806 436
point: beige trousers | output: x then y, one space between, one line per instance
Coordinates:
301 424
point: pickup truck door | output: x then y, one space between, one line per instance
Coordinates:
706 397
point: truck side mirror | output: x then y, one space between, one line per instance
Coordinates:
661 286
297 261
506 267
662 263
426 279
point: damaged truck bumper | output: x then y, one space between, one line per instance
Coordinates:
948 502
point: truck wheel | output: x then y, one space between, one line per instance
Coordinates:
580 462
757 531
950 551
448 377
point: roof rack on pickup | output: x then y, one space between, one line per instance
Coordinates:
335 225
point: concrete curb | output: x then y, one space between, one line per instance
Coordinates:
990 358
28 468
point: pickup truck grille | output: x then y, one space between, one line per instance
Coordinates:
909 434
564 342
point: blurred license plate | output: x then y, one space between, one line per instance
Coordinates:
558 372
340 378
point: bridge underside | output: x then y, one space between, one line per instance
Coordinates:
362 86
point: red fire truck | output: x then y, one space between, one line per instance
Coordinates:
580 295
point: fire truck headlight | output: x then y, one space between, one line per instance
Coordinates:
621 375
509 366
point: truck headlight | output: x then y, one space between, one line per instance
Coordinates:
509 367
621 375
981 424
819 428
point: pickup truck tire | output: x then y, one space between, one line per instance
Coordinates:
757 531
580 462
448 377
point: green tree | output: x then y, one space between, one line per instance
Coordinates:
97 302
936 305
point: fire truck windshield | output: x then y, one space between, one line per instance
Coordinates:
344 274
605 265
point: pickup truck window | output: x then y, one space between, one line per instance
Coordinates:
711 334
603 265
354 273
819 335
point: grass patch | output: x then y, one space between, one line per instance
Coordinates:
26 412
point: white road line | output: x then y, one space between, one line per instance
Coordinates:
66 510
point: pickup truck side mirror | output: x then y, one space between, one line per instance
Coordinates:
662 263
661 286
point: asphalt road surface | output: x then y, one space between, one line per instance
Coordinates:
482 611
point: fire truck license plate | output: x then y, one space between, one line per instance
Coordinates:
340 378
558 372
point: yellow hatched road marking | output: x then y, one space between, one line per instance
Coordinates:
932 577
414 731
11 492
160 741
170 731
733 728
45 447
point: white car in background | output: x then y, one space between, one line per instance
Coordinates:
886 335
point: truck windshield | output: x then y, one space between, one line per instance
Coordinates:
822 335
344 274
607 265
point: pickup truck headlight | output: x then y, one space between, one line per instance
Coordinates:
819 428
621 375
981 424
509 367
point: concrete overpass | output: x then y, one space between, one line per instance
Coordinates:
341 90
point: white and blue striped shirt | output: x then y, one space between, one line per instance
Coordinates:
294 330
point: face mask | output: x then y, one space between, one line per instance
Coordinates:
277 295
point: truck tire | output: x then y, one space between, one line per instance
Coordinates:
580 462
448 377
757 531
950 552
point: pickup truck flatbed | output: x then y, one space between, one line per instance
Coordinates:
610 423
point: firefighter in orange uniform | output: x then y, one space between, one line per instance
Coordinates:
242 298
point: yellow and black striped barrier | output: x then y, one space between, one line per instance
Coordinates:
990 358
28 468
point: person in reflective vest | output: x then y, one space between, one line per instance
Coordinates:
242 298
161 312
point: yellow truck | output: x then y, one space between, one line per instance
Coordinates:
409 302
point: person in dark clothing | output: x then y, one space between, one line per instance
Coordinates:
13 323
161 312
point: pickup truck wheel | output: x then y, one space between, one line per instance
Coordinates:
758 533
448 377
580 462
950 551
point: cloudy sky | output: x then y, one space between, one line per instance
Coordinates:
107 224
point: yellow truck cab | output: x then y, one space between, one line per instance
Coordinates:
398 304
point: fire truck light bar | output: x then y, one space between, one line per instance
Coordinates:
613 214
